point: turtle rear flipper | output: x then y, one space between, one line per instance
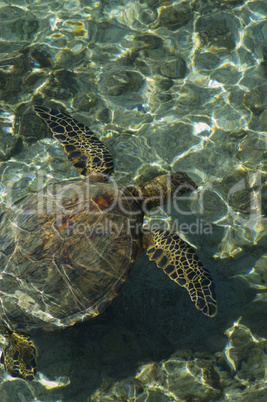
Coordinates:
20 356
181 263
86 152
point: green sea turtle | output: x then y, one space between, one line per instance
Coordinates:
66 251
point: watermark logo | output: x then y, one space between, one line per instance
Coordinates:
130 227
71 201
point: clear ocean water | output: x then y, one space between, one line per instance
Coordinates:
167 86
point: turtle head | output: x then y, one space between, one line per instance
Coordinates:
162 189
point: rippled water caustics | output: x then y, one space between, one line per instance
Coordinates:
167 86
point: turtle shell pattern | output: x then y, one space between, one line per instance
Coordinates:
65 253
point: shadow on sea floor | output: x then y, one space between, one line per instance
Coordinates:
149 321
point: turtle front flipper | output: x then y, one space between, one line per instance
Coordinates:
20 356
87 153
181 263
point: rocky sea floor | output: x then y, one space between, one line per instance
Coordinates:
167 86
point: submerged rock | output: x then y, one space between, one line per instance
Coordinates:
174 68
221 31
174 16
119 82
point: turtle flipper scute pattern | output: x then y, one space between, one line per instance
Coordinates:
20 356
181 263
86 152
